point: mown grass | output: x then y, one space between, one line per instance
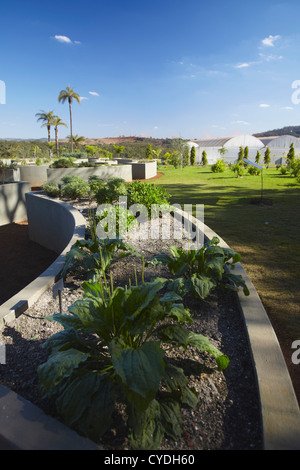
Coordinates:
267 236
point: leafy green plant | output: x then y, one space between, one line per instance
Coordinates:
218 167
63 163
94 256
111 191
200 272
51 189
238 169
252 170
121 219
113 349
75 188
147 194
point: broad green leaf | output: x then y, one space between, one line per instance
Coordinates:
173 333
201 342
88 404
189 397
171 418
174 378
202 285
146 427
59 367
140 370
64 339
180 313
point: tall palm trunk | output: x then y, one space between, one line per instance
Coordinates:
49 135
70 108
56 140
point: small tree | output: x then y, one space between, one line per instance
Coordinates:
222 151
291 153
240 155
267 157
186 157
118 149
246 152
258 155
204 160
149 152
193 156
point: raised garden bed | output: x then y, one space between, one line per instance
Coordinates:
228 413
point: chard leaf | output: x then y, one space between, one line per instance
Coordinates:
189 397
146 427
59 367
87 404
171 418
174 378
202 285
140 370
203 343
177 333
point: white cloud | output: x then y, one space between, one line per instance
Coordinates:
65 39
263 105
94 93
270 57
287 107
83 98
244 123
242 66
269 41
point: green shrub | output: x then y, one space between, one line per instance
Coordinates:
75 190
252 170
283 170
75 155
51 189
147 194
238 170
110 193
218 167
111 350
63 163
201 271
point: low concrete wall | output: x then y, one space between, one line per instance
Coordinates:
12 202
55 175
280 412
56 226
35 174
144 171
10 175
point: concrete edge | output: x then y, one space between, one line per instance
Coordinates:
24 299
24 426
280 411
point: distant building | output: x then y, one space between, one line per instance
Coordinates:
279 147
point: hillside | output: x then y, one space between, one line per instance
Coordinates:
289 130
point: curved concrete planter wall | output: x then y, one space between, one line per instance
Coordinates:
12 202
56 226
279 408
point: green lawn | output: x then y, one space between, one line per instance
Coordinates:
268 237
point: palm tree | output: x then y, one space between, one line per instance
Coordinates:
57 121
69 94
47 118
77 139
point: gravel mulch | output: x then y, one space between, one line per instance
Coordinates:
227 416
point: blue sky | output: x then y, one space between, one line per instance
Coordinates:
168 68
